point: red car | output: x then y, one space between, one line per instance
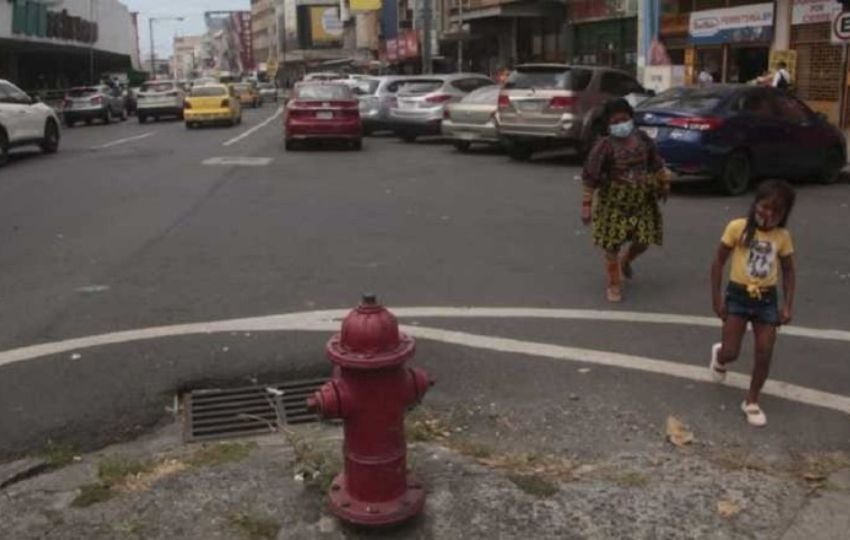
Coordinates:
323 111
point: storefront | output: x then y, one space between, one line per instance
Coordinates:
820 69
604 33
732 43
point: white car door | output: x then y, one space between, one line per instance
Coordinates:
14 113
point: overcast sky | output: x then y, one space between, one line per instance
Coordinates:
164 31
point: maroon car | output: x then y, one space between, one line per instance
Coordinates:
323 111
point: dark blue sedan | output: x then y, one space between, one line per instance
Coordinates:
736 133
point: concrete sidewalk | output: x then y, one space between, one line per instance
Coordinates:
273 487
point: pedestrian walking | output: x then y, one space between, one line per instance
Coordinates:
781 79
759 245
705 78
628 177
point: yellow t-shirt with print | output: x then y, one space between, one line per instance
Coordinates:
757 264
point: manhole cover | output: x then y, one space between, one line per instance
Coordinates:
235 412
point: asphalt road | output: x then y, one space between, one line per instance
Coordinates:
127 227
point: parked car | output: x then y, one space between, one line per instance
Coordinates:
557 105
377 96
25 121
157 99
473 119
420 102
248 95
89 103
323 111
738 133
268 91
211 104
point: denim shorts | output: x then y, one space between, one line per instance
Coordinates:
762 310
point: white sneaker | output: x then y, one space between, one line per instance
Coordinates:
755 416
718 372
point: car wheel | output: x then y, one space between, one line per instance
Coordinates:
408 137
189 125
357 145
107 116
4 148
142 119
124 115
520 151
69 123
463 146
289 145
736 175
50 143
832 167
180 115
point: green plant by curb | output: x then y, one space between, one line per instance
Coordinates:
534 484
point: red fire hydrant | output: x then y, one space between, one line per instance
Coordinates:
370 391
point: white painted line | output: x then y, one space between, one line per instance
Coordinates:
122 141
238 161
329 320
259 126
780 389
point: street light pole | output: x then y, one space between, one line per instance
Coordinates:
150 31
427 63
460 41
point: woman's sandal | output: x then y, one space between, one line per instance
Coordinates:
718 372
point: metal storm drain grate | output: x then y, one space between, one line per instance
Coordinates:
250 410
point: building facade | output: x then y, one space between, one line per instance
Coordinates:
186 60
54 45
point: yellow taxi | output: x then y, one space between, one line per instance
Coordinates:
210 104
248 94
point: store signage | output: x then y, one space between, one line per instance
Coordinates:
592 10
732 25
841 28
33 19
814 11
405 47
678 24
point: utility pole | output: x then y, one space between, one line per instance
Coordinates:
427 63
91 43
460 40
153 53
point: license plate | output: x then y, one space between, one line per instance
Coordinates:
528 106
406 105
466 136
651 131
324 115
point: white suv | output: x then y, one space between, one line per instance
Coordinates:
159 98
25 122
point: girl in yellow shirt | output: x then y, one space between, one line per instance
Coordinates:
759 245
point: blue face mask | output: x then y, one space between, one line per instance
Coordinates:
623 129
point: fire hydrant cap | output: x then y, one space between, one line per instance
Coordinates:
370 338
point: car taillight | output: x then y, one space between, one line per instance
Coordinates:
562 102
696 123
438 98
504 102
225 103
97 100
187 105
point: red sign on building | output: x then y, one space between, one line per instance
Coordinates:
242 23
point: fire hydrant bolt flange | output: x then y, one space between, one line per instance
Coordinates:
371 391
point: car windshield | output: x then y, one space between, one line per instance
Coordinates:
421 87
242 87
157 87
549 77
686 99
81 92
323 91
366 88
483 96
208 91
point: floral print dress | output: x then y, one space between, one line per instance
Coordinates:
624 174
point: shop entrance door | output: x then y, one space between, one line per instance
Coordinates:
746 63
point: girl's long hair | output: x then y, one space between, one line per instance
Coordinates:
780 189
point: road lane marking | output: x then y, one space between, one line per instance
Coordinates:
259 126
238 161
122 141
323 318
780 389
320 321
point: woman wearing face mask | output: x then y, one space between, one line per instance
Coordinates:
628 177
